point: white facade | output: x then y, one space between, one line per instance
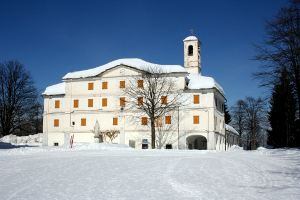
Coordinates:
84 97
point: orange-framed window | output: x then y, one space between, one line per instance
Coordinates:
56 123
83 121
104 85
76 103
90 102
140 101
167 119
140 83
104 102
115 121
122 84
196 99
90 86
144 121
164 100
57 103
196 119
122 101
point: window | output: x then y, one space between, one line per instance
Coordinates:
191 50
167 119
90 103
83 122
158 121
76 103
122 101
90 86
196 119
168 146
115 121
132 143
164 100
196 99
56 123
104 85
140 83
140 101
104 102
57 103
55 144
122 84
144 120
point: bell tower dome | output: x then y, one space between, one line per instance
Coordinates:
192 56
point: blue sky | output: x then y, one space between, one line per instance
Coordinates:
49 37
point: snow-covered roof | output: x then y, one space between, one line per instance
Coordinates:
55 89
203 82
190 38
132 62
230 129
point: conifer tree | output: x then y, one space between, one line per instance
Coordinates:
227 115
282 114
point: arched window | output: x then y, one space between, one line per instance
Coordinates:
190 50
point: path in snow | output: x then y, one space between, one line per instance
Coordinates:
150 174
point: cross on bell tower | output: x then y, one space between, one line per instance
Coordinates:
192 31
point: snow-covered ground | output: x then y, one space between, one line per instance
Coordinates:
110 171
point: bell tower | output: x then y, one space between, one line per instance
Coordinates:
192 56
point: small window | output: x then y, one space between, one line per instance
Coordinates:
196 119
122 101
104 102
140 101
144 120
196 99
132 143
90 103
57 103
158 121
168 146
55 144
104 85
83 122
91 86
56 123
73 123
140 83
115 121
164 100
167 119
76 103
122 84
191 50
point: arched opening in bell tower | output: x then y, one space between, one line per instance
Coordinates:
190 53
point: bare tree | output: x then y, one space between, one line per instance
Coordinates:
280 48
255 116
17 96
238 118
154 94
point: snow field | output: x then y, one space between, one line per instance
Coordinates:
110 171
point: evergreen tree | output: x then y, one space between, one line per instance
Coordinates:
227 115
282 114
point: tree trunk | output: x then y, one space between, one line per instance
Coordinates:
152 134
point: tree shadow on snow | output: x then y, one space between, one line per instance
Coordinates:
4 145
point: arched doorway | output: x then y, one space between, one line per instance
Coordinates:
196 142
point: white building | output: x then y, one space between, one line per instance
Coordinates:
93 97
